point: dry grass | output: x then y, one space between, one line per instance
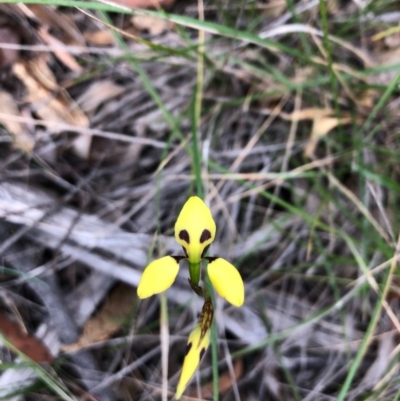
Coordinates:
293 107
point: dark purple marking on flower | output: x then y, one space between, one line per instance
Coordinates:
206 317
188 348
205 235
204 251
177 258
184 236
211 258
202 353
196 288
185 251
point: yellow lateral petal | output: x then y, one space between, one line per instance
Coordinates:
227 281
196 349
158 276
195 228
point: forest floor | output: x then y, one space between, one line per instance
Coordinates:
283 115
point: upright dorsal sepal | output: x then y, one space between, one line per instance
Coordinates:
195 229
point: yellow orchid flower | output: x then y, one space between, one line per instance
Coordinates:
195 230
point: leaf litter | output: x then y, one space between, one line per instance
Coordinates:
80 206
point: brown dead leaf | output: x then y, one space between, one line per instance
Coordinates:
307 114
154 25
65 28
145 3
28 345
62 55
22 137
100 38
51 102
393 41
98 93
323 122
53 18
108 320
321 126
14 31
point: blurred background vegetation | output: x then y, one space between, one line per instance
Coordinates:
283 114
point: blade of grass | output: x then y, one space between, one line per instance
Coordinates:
214 342
371 328
382 101
163 50
199 184
196 157
164 318
145 79
164 338
314 318
300 212
56 386
278 353
196 164
328 55
303 39
209 27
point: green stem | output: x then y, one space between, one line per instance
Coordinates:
214 340
196 165
164 339
194 272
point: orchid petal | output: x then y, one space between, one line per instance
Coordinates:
226 280
158 276
196 347
195 229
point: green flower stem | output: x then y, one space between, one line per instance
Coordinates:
164 339
194 272
214 339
